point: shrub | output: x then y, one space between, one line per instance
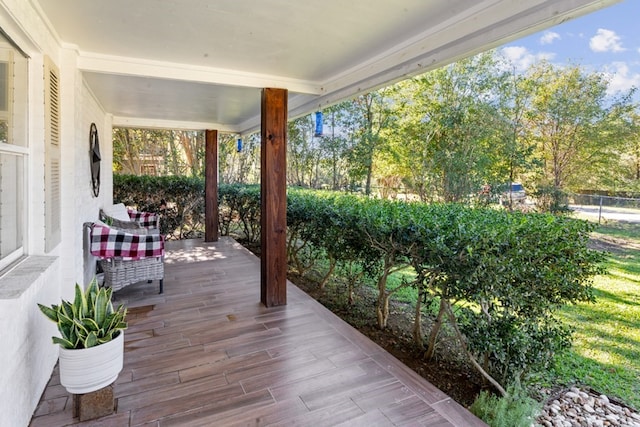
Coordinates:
183 216
516 409
499 276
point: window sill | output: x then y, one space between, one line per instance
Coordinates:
20 278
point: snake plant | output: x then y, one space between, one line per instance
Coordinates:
89 320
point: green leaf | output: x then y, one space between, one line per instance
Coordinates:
50 312
64 343
80 302
102 306
91 340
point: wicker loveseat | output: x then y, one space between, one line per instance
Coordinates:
128 252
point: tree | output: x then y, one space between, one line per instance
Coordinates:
633 150
158 152
574 124
239 166
139 151
448 128
514 154
623 174
189 147
302 153
333 145
364 119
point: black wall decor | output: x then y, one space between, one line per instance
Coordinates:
94 154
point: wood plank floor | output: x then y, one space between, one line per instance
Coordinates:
207 353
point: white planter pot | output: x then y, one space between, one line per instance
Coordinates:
90 369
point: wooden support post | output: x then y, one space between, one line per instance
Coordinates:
273 185
211 187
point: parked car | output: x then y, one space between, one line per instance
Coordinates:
515 193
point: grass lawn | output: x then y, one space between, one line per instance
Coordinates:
606 351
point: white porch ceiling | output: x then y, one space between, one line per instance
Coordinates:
201 63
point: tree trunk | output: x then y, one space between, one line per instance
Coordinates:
435 329
474 362
382 307
382 310
417 322
325 279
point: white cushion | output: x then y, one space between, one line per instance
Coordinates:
118 211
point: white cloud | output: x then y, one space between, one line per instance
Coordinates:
606 41
549 37
522 58
621 77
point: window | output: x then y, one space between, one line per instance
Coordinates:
13 152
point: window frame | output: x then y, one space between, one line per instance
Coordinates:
22 154
17 117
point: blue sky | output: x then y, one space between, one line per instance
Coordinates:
607 41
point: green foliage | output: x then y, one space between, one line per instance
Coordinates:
440 136
302 155
158 152
183 216
551 199
575 126
240 203
239 166
514 410
449 134
507 272
501 275
89 320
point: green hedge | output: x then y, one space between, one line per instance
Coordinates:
498 276
495 277
183 216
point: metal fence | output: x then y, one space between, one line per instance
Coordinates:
599 200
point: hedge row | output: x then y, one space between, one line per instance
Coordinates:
495 277
182 216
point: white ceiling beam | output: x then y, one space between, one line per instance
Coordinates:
145 123
174 71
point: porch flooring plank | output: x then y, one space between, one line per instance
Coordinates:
188 403
291 375
146 384
207 353
176 363
342 412
216 367
385 394
227 409
369 419
172 392
269 366
268 415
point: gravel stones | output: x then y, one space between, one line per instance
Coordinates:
583 408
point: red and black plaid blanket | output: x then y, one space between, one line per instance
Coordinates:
146 219
108 242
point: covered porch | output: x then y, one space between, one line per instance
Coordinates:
207 352
73 69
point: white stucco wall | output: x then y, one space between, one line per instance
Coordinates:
27 355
